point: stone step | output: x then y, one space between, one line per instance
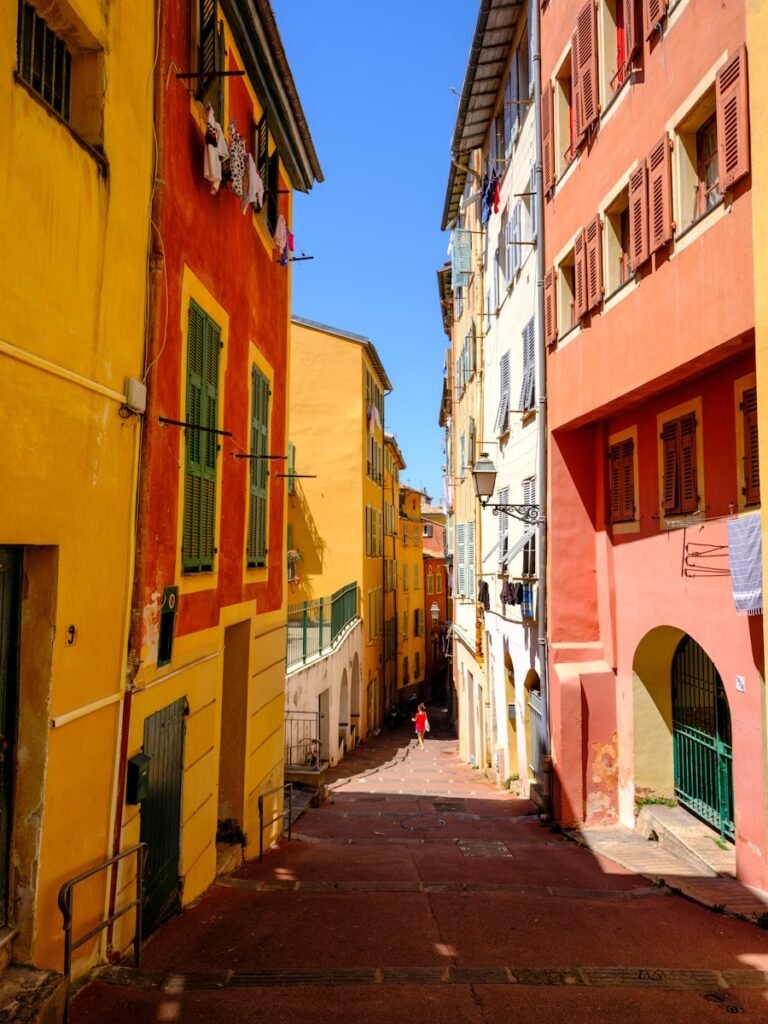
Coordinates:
687 838
31 996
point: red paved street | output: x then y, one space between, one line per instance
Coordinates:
419 891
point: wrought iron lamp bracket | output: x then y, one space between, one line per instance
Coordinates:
528 514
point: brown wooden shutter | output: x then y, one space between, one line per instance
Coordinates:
689 491
586 53
576 104
751 453
550 307
594 263
548 137
670 441
633 30
580 276
732 120
654 11
638 216
627 480
614 478
659 194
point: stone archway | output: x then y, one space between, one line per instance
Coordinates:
653 759
344 722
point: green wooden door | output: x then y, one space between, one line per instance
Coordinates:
701 734
10 577
161 813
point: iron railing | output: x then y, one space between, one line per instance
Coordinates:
66 906
315 626
302 740
287 788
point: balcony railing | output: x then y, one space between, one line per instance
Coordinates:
315 626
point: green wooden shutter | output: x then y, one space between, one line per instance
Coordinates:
273 179
199 534
257 496
291 467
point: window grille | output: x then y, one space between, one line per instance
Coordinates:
43 60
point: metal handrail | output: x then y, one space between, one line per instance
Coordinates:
287 786
66 904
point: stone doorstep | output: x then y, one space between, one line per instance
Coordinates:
28 996
688 838
724 895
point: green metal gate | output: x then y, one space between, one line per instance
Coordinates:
161 813
701 734
10 587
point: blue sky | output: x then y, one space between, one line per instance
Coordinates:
375 82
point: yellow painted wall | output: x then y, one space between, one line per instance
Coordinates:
411 568
757 40
328 426
73 262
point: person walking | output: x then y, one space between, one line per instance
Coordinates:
422 724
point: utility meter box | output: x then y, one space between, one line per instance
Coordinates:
137 780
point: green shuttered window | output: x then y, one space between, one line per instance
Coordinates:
203 345
257 497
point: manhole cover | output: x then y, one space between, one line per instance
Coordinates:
422 822
491 848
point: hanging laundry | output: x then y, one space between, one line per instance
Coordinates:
486 202
745 554
526 602
506 593
484 595
283 260
280 237
290 241
253 190
216 152
236 160
496 192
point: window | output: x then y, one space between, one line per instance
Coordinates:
405 577
706 161
529 551
406 678
621 41
585 103
43 60
428 530
438 582
210 57
416 533
513 239
564 114
751 489
549 160
528 388
616 224
291 467
405 625
257 495
415 577
471 560
621 481
550 307
461 582
502 413
566 293
430 581
680 494
472 443
462 456
199 531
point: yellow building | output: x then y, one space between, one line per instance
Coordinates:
336 516
394 464
411 598
76 190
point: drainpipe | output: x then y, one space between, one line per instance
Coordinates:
541 402
154 331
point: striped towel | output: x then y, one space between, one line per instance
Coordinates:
745 551
527 601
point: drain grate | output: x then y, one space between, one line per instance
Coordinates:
489 848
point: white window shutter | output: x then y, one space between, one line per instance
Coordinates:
532 198
471 559
527 390
501 414
460 556
515 90
509 255
508 113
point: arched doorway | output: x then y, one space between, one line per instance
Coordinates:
701 736
534 725
344 706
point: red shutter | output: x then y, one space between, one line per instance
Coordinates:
550 308
654 12
638 216
689 491
751 453
614 477
732 120
670 439
577 118
586 53
660 194
580 276
633 30
594 254
627 480
547 137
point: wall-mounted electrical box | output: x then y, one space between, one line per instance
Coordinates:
137 778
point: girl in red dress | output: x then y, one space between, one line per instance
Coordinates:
422 724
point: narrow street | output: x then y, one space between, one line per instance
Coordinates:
419 892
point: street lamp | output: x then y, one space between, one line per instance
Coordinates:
484 475
434 612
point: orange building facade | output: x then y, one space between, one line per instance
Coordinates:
656 681
437 605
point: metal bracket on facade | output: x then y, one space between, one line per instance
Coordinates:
525 513
192 426
210 74
238 455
